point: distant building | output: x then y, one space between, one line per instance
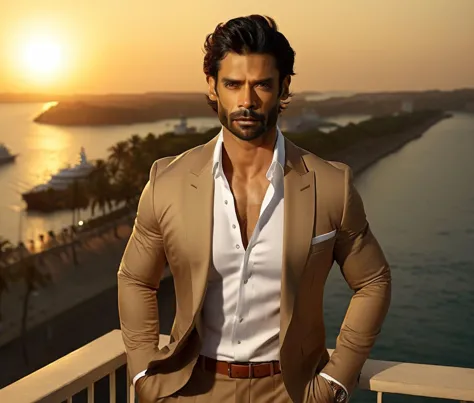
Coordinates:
183 128
308 120
407 106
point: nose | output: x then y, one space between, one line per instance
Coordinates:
247 98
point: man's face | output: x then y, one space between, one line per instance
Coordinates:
248 94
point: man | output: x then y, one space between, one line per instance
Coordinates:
250 226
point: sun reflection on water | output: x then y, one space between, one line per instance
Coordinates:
50 151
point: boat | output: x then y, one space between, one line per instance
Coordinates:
59 193
5 155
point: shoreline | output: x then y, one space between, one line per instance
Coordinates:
118 109
65 294
363 155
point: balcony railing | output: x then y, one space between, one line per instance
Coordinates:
81 369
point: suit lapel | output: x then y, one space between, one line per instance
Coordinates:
299 211
198 212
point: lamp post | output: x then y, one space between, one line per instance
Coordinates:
73 227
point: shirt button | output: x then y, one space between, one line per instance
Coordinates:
246 281
233 226
226 202
238 342
237 246
241 320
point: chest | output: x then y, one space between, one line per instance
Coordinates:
245 235
240 205
248 200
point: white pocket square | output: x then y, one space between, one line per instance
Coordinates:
323 237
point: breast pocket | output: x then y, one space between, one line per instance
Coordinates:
322 242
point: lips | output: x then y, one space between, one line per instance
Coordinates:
247 122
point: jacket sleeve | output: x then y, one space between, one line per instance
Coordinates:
139 277
367 272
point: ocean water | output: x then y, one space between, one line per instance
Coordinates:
420 205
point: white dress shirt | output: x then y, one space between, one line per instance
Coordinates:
241 311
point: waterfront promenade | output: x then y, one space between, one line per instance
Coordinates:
98 256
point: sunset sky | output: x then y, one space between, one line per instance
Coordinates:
110 46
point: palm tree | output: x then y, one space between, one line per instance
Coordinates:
139 159
99 187
119 154
126 190
149 142
101 190
76 199
118 163
34 279
135 143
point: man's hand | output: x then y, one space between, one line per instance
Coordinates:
139 382
327 394
139 388
319 391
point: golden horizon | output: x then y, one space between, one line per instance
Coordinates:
106 48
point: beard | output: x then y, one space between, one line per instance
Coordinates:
248 132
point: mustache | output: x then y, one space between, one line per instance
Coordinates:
246 113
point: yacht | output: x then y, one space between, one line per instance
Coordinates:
53 195
5 155
65 177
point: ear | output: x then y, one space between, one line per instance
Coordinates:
212 88
285 88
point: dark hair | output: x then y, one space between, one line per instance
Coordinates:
245 35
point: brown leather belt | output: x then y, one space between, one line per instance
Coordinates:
240 370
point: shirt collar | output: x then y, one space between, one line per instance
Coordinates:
278 160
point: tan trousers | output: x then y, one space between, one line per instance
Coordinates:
207 387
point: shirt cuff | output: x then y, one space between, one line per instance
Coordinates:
138 376
330 378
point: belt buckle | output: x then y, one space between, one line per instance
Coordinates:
229 370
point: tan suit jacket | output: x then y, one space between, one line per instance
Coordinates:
174 225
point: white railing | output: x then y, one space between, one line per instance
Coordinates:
81 369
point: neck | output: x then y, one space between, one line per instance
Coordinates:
248 158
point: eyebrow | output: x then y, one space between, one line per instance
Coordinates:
261 81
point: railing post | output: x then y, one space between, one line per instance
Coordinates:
130 389
90 394
112 387
379 397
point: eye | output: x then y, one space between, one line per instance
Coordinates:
265 86
230 85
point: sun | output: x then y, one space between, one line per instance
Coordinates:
42 58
